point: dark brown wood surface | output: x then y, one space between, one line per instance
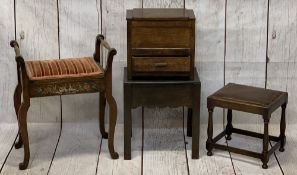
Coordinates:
160 14
149 31
163 93
253 100
248 99
161 64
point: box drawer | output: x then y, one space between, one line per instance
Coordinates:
160 43
165 65
160 37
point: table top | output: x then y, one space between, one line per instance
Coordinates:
162 81
248 95
160 14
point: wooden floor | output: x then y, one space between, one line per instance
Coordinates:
160 148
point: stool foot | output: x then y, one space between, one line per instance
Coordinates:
229 137
265 166
23 166
281 149
105 135
18 144
114 155
209 153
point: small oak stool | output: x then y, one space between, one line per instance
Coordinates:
61 77
253 100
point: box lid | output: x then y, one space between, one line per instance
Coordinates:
160 14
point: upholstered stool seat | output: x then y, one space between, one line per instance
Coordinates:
63 68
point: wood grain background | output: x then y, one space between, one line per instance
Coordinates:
231 43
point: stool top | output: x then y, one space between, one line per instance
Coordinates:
247 98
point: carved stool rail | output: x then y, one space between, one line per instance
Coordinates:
253 100
62 77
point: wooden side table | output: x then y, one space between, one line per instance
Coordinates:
252 100
163 93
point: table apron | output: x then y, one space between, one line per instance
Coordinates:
162 95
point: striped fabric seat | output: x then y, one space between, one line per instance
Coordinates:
63 68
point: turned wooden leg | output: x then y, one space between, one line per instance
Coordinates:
17 104
102 115
112 122
209 141
229 126
283 128
265 156
24 133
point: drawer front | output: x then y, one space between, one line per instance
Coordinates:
162 37
161 65
162 34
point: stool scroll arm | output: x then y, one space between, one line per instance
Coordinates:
107 94
108 78
111 53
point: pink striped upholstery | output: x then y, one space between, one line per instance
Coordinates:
63 68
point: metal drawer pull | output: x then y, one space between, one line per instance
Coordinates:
161 64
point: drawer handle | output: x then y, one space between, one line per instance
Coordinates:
161 64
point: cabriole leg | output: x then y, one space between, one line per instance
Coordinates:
112 123
17 104
24 133
102 104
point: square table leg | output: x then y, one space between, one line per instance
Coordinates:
196 121
127 122
189 122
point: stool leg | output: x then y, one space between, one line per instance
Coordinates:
283 128
209 141
265 157
102 104
189 123
17 104
112 122
24 133
229 126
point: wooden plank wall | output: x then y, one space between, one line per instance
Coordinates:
246 46
230 47
37 34
210 25
8 77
